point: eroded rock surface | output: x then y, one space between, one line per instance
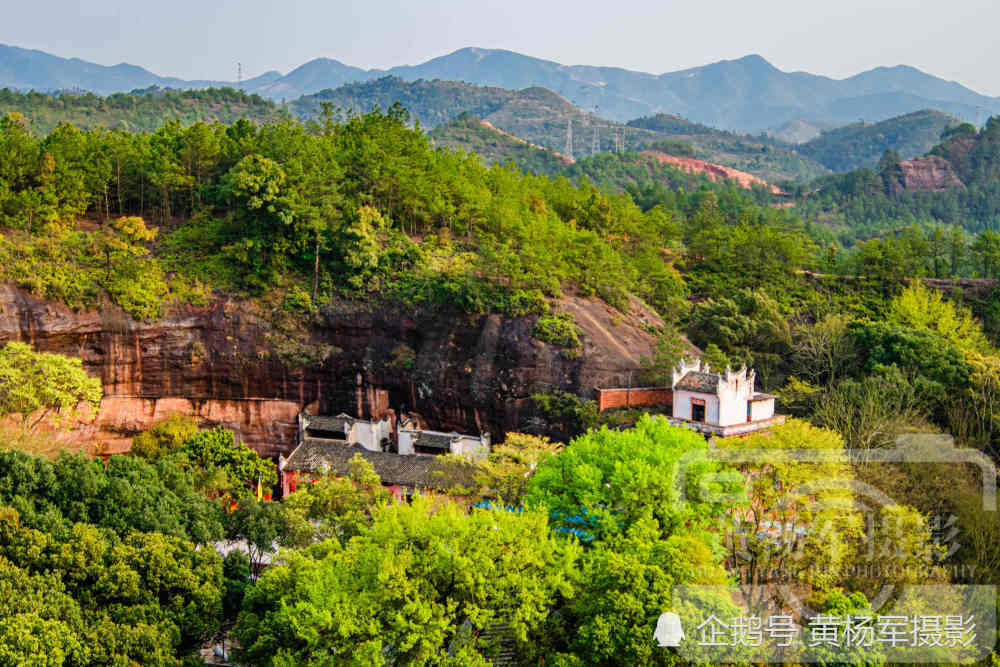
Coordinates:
929 173
227 364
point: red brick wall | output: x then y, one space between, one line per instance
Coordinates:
609 399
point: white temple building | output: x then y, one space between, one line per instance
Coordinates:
720 404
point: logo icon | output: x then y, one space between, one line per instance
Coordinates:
669 632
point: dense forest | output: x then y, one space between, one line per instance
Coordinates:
432 103
138 111
568 551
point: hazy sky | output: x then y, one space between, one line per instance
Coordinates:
206 38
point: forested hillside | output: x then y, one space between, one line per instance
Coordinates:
957 184
432 103
144 111
534 114
473 135
363 205
288 224
766 157
542 117
862 144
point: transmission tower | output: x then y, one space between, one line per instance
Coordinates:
620 140
595 147
569 138
239 75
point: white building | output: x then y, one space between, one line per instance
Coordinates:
412 440
721 404
375 436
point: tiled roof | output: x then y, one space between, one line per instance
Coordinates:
759 396
338 423
703 383
313 454
434 439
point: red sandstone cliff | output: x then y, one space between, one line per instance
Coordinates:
221 363
929 173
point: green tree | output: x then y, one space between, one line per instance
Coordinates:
748 327
668 351
413 589
937 250
266 206
123 240
921 308
217 448
957 250
33 384
146 598
508 469
262 525
871 412
986 250
339 507
823 351
627 582
801 520
165 437
921 355
361 246
715 358
606 480
127 495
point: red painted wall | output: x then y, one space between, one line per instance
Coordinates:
610 399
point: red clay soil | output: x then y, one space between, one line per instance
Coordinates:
713 171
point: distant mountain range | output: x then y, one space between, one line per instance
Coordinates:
748 94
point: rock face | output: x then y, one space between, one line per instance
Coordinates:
929 173
227 364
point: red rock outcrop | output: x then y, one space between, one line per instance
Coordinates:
928 173
713 171
227 365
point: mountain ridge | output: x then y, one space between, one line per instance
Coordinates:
747 94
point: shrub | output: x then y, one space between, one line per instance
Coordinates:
557 329
164 437
403 357
520 303
298 301
572 413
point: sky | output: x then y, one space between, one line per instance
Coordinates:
204 39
